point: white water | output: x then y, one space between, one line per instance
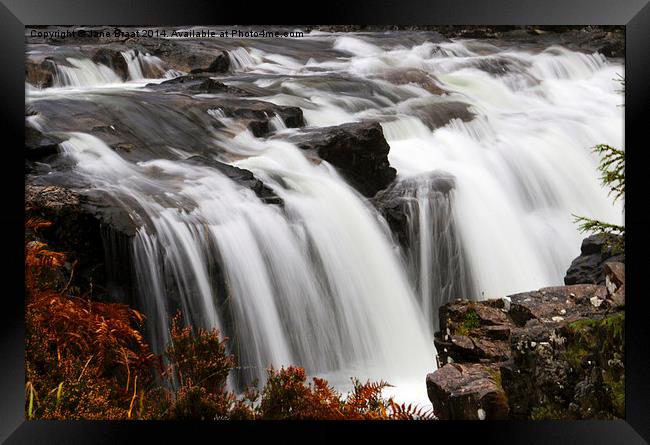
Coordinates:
88 74
317 285
320 283
523 166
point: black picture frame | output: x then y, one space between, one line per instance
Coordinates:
15 14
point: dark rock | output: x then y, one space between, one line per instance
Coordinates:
114 60
220 64
596 250
133 119
358 150
396 202
467 392
80 227
241 176
38 145
436 114
199 83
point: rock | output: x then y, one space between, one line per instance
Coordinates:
200 83
81 225
560 351
572 370
571 302
435 113
358 151
614 276
615 283
39 146
241 176
415 76
395 201
467 392
132 119
114 60
220 64
40 74
473 332
596 250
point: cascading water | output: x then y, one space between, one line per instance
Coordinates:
491 145
85 73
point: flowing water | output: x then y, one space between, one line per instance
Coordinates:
491 142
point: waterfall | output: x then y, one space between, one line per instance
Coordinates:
491 143
143 66
81 72
316 283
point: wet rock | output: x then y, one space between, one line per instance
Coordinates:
358 150
81 226
414 76
596 250
220 64
133 120
39 146
396 200
114 60
467 392
436 113
197 83
40 74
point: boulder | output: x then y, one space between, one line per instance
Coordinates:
39 146
467 392
473 332
40 74
559 351
221 64
80 227
395 201
358 151
403 76
596 250
114 60
198 83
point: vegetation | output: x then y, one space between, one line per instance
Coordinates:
470 321
88 360
612 176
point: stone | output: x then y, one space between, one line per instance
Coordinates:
467 392
221 64
40 74
114 60
358 150
596 250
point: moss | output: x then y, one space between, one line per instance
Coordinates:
604 340
496 377
614 324
615 388
470 321
547 412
